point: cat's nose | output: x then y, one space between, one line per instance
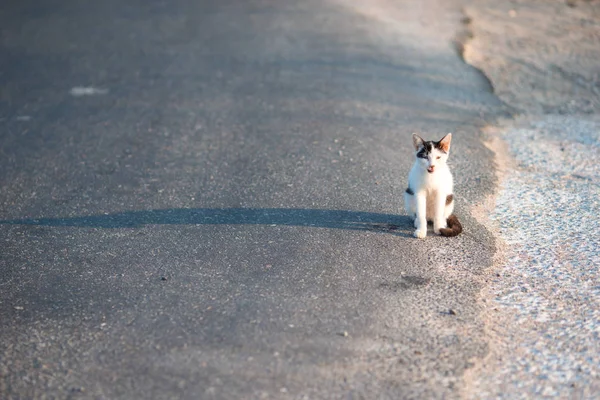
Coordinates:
430 168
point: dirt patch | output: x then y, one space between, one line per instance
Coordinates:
541 56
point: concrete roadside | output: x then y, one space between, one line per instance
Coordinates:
542 304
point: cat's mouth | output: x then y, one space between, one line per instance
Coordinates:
430 169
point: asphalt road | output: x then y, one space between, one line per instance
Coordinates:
222 217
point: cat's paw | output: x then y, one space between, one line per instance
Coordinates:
420 233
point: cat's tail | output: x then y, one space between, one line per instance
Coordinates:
454 227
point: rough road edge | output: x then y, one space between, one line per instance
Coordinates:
462 44
494 320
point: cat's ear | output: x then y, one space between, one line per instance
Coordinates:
417 141
444 143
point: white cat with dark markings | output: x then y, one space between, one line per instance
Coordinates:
429 196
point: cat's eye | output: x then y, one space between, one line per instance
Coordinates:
438 157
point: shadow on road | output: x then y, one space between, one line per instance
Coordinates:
339 219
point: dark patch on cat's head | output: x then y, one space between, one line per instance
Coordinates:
425 147
449 199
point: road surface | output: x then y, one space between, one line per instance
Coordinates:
203 199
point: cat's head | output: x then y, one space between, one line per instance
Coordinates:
432 155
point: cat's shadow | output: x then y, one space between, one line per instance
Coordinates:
399 225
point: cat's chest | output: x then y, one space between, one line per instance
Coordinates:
440 181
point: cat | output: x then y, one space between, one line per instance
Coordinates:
429 196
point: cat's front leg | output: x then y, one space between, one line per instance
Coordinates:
421 220
439 220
